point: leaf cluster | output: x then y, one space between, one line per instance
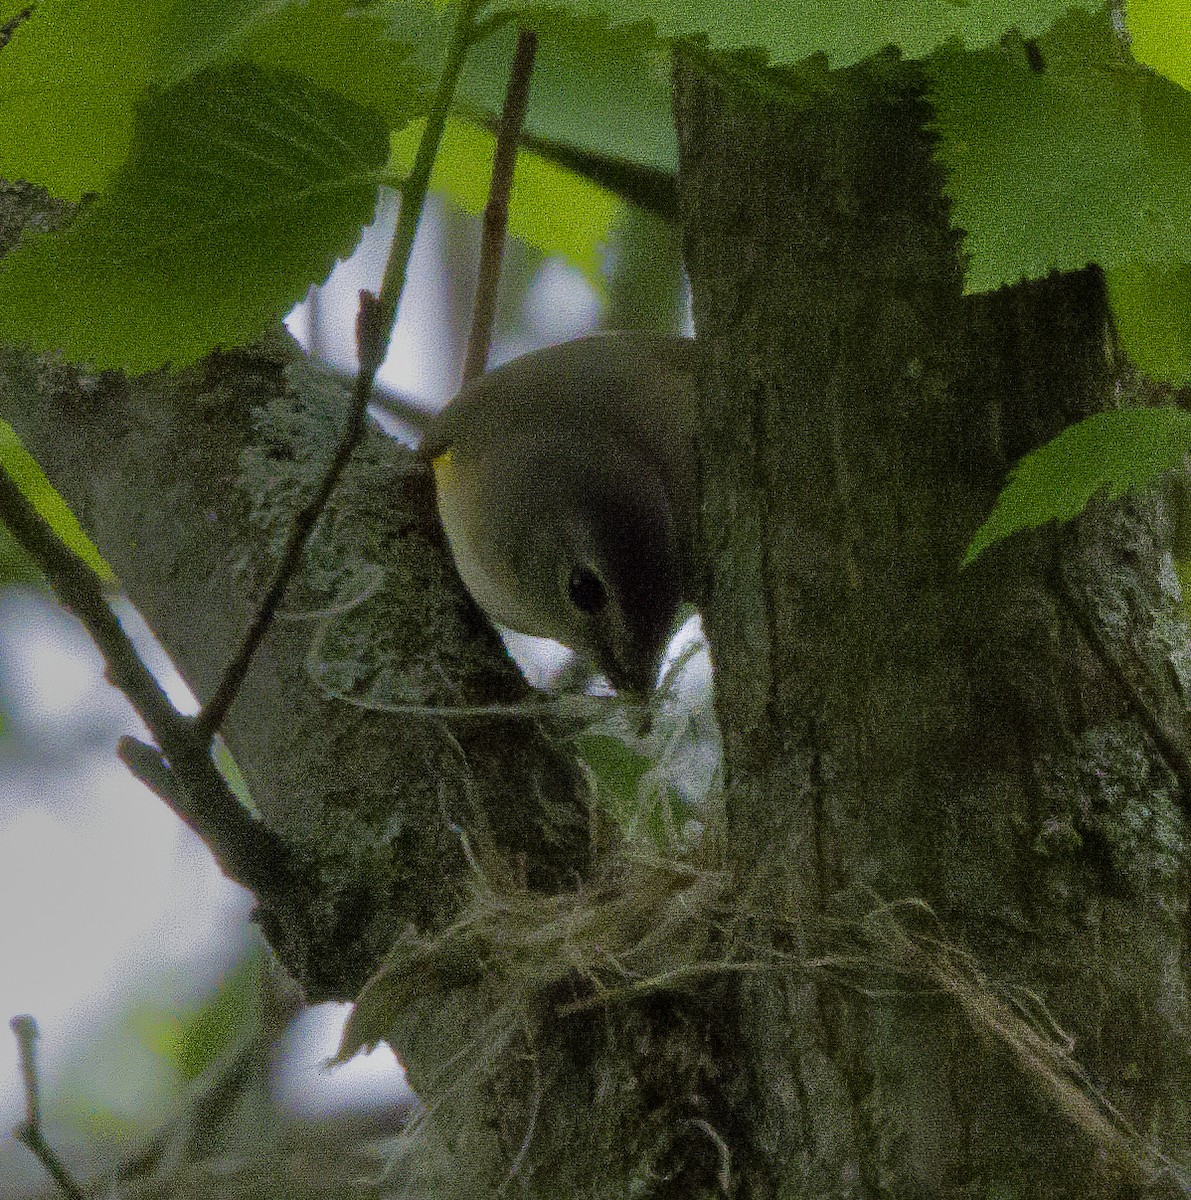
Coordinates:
226 153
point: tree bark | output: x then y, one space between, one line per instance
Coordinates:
187 482
956 801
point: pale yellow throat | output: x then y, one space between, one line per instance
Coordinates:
444 471
460 520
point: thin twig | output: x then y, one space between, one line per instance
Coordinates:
413 193
374 324
147 764
393 403
81 593
207 723
24 1027
647 187
496 211
247 851
12 24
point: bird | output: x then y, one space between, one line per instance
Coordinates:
567 486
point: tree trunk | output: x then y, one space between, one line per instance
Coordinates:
956 801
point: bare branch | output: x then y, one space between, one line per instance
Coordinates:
496 211
24 1027
246 850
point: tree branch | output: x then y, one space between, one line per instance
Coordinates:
496 211
247 851
374 325
186 482
28 1131
371 337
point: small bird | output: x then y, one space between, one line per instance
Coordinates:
567 485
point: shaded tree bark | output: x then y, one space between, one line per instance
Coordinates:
1007 744
187 483
784 1016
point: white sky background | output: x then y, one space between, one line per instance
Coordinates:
104 895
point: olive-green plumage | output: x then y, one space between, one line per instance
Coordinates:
567 483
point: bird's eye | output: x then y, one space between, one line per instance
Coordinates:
587 591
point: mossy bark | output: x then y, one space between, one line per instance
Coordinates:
187 482
1005 745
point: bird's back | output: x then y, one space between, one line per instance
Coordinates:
639 385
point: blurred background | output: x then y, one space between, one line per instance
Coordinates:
164 1028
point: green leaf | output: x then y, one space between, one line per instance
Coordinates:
638 799
21 467
343 48
69 82
843 30
74 73
1111 452
225 1018
602 74
1151 307
203 33
550 208
1161 37
16 569
600 89
1087 159
334 44
243 188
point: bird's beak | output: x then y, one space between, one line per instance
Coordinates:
636 679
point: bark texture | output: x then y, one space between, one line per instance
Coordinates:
1006 745
187 483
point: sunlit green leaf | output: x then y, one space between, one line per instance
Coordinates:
602 76
343 48
74 73
1161 37
336 44
243 188
599 89
1069 156
69 82
19 464
1110 453
201 33
1151 307
844 30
